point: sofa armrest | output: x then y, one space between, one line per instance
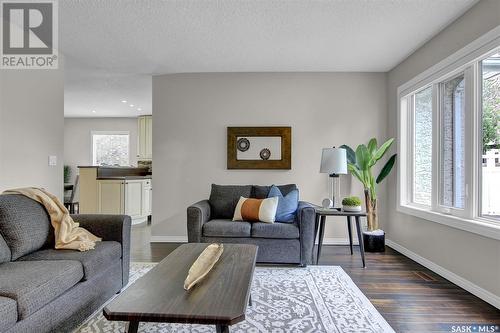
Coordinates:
110 228
306 218
197 214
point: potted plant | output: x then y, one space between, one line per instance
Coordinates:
360 164
351 204
67 173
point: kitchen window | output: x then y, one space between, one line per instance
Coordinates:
449 142
110 148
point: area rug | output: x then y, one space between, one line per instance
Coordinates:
285 299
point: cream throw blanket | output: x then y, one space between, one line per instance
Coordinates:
68 234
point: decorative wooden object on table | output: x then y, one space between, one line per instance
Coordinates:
220 299
203 264
265 158
322 213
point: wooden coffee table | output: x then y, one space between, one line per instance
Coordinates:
220 299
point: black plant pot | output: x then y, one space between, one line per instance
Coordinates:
374 243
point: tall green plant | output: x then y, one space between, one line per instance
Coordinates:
67 173
360 164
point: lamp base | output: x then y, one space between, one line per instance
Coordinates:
327 203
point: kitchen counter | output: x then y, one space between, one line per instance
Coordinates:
116 190
124 177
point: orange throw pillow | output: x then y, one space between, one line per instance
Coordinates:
256 210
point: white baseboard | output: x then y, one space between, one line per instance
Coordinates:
183 239
474 289
338 241
168 239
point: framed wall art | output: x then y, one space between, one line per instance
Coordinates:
259 148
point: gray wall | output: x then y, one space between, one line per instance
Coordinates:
31 128
77 139
192 111
468 255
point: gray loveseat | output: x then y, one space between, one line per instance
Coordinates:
47 290
287 243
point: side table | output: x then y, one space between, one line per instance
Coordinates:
322 213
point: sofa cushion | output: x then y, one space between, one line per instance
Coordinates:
4 250
8 313
256 210
94 261
24 224
287 205
223 199
226 228
261 192
275 230
33 284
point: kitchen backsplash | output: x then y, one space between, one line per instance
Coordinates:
146 164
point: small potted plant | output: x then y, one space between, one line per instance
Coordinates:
67 173
351 204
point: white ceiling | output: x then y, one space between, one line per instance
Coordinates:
110 44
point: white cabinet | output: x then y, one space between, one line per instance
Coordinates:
145 137
148 198
129 197
134 198
110 197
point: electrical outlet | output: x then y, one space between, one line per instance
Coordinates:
52 160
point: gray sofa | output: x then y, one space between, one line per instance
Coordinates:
285 243
47 290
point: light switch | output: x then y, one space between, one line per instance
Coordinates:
52 160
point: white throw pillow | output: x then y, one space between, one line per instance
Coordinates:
256 210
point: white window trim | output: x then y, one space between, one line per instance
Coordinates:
455 63
92 133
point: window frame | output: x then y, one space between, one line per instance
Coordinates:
465 60
469 141
92 133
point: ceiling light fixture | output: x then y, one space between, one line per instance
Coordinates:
124 101
131 105
139 109
93 111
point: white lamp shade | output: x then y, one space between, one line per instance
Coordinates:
334 161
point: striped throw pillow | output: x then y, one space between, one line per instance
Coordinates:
256 210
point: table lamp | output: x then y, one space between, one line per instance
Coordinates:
334 163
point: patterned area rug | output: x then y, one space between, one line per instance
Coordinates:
312 299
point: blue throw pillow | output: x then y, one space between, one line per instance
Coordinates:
287 205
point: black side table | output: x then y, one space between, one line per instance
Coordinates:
322 213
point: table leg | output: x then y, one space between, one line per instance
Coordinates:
316 227
349 229
222 328
321 235
132 327
360 239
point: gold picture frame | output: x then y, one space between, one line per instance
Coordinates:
284 133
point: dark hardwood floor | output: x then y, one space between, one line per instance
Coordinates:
409 296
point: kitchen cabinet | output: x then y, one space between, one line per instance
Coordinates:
134 198
145 138
110 197
128 197
148 198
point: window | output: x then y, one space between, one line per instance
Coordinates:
490 141
449 141
110 148
422 169
452 142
